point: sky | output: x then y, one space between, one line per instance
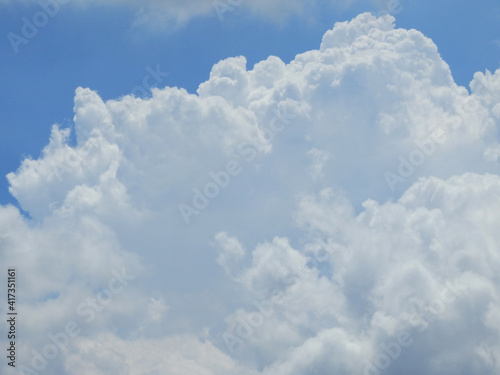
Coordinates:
267 187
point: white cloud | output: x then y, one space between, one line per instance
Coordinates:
390 271
157 309
175 355
306 257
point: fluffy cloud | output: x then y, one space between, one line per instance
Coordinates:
418 271
336 214
176 355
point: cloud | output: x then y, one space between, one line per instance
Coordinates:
422 267
342 217
177 355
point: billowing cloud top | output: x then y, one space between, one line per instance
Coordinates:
332 215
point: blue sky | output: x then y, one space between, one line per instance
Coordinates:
97 47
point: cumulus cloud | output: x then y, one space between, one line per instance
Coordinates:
337 214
